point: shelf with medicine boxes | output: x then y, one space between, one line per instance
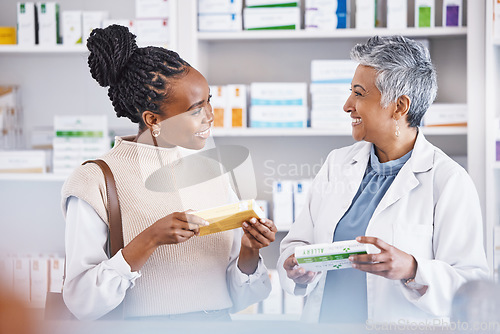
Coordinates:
285 56
492 134
306 132
438 32
24 49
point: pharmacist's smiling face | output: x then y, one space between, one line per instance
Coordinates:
370 122
187 114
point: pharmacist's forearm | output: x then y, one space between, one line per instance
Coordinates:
248 260
138 251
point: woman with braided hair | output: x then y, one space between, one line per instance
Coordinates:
165 270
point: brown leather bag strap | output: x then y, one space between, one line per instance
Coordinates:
113 209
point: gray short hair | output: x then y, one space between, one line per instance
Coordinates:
403 67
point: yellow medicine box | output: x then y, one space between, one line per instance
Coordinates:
228 217
8 35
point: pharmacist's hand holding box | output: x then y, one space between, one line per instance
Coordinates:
308 260
329 256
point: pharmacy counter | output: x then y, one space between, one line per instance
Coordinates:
235 327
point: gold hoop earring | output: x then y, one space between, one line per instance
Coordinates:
397 132
155 130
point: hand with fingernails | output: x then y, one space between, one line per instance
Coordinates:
257 234
391 262
298 274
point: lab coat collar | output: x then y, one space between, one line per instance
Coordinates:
421 160
361 157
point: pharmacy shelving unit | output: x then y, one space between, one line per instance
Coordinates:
284 56
492 110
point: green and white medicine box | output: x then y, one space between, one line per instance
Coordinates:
328 256
26 23
424 13
272 3
48 23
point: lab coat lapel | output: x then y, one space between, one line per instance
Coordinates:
421 160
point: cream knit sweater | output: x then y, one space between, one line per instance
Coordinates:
186 277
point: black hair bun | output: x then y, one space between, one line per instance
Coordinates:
110 50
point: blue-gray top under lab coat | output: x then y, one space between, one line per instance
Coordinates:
344 298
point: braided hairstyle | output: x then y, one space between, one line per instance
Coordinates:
138 78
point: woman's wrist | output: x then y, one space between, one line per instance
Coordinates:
248 259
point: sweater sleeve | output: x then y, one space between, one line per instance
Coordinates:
244 289
94 284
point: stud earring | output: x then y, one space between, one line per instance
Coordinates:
155 130
397 132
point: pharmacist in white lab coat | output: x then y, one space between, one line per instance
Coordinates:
415 207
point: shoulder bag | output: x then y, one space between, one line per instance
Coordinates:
55 308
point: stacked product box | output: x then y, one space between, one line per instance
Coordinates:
289 199
327 14
229 105
273 304
283 204
11 118
153 22
496 255
25 161
26 23
279 302
128 23
424 13
452 13
92 20
300 190
48 23
77 139
282 105
220 15
271 14
8 35
446 114
366 11
31 276
397 14
218 101
330 84
72 27
497 139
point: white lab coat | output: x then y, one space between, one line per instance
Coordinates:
431 211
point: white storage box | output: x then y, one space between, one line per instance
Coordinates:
271 18
219 22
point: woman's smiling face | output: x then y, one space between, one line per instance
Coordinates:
370 122
188 114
